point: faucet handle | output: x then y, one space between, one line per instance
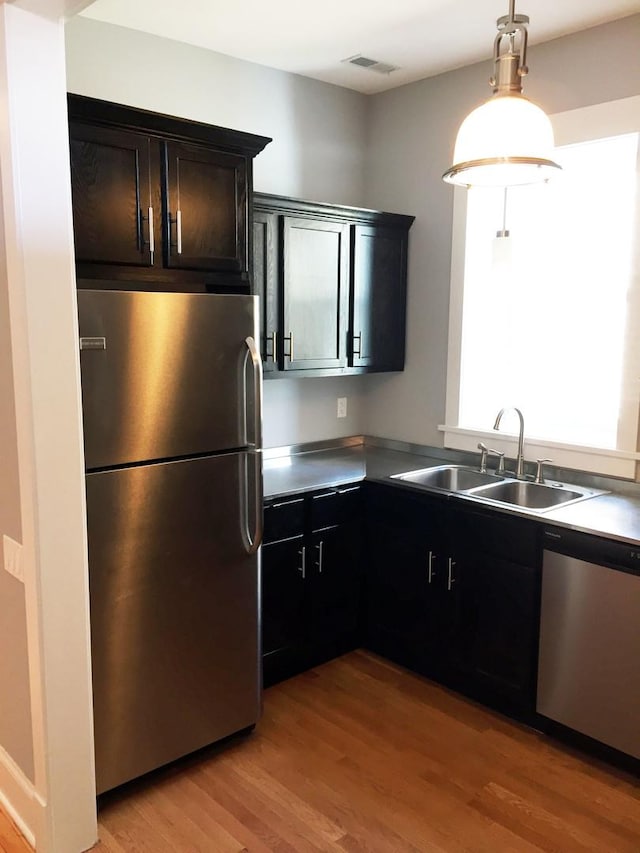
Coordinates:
484 452
500 455
539 473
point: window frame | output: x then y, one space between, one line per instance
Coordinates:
587 123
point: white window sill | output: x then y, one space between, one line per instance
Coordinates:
611 463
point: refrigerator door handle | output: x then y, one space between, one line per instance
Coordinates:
253 540
255 442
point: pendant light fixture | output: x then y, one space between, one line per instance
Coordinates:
508 141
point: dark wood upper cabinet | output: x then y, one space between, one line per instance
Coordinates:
115 186
205 209
265 283
379 297
159 202
333 282
315 273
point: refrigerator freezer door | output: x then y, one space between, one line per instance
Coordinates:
163 374
174 611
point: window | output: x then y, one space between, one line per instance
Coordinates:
548 318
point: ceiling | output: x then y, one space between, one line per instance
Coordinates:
421 37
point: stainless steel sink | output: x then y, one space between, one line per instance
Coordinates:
534 496
450 478
528 495
493 489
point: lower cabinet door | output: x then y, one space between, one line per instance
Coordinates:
283 602
398 594
502 645
334 590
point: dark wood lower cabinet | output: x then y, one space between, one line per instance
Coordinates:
454 594
311 581
335 581
495 651
446 590
406 604
283 594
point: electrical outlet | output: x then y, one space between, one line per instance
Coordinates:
13 557
342 407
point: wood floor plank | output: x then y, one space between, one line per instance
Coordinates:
11 839
360 756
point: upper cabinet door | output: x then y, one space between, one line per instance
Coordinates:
205 209
115 210
316 281
265 284
377 328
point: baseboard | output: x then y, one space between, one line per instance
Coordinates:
19 798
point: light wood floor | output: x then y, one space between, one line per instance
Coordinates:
359 755
10 839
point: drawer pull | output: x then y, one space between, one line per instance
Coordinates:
285 503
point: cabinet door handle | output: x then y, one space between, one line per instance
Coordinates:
450 579
179 231
289 338
274 338
358 338
319 563
152 241
302 568
432 574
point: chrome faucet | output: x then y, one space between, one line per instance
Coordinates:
484 452
520 458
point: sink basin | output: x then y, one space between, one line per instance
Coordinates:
523 494
451 478
530 495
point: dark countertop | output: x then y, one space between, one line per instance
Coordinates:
615 515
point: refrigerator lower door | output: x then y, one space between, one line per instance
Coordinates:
163 374
174 611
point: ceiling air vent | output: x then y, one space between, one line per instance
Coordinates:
371 64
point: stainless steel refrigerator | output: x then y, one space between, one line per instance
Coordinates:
171 394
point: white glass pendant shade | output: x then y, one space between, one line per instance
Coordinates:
507 141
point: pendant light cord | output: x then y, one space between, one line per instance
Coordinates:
504 232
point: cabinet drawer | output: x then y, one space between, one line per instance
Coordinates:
335 506
283 518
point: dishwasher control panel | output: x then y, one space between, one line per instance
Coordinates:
608 552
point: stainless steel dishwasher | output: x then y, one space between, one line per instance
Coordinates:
589 663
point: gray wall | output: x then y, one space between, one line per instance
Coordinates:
386 151
410 143
15 701
317 152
